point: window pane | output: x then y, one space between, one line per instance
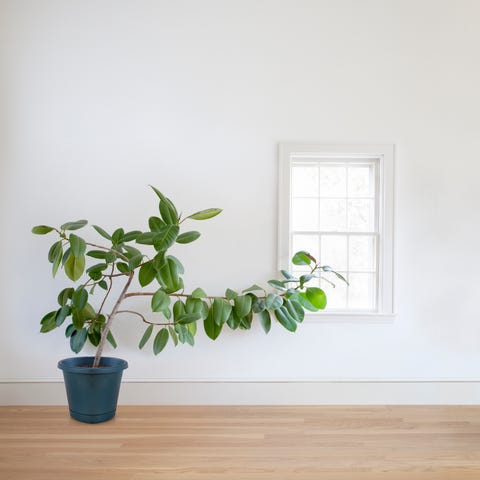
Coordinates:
305 181
361 292
336 296
305 242
361 253
304 214
333 181
361 215
333 215
361 181
333 251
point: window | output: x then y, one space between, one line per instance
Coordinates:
336 202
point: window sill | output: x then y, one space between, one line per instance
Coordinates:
349 317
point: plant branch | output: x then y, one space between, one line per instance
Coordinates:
144 319
105 331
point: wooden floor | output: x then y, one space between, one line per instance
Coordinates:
237 443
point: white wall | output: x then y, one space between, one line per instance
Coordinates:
103 98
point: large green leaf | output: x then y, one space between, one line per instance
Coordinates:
146 238
41 229
189 318
129 236
197 305
230 294
302 258
52 253
79 298
221 310
146 273
77 245
212 329
168 277
165 237
188 237
65 295
74 267
160 301
173 335
277 284
273 301
285 319
74 225
78 339
160 341
198 293
146 336
316 296
294 309
205 214
242 305
168 212
265 320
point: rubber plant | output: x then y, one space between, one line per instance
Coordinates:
120 260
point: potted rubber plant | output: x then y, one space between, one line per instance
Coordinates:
93 383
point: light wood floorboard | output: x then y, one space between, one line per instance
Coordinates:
244 443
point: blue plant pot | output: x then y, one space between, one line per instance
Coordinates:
92 392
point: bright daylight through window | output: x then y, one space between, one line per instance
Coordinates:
336 202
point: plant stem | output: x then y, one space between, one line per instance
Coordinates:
103 339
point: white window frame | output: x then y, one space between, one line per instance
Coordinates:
385 156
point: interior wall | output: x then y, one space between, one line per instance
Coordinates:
105 98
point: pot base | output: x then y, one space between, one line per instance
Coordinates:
88 418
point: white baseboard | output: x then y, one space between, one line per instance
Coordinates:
260 393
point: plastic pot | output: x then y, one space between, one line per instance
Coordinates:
92 392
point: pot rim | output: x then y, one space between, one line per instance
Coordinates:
72 365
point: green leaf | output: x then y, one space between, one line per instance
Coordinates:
230 294
74 225
168 277
123 267
65 295
277 284
273 301
288 276
69 331
205 214
253 288
168 212
94 337
316 296
79 298
188 237
302 299
98 267
285 319
160 301
302 258
155 224
243 305
212 329
103 284
192 327
146 238
77 245
102 232
173 335
258 305
265 320
305 278
178 310
78 339
195 305
117 236
198 293
147 273
74 267
165 237
111 339
52 253
160 341
106 255
48 322
179 265
41 229
295 310
326 268
221 310
189 318
55 256
129 236
146 336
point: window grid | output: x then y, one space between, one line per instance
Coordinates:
346 164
